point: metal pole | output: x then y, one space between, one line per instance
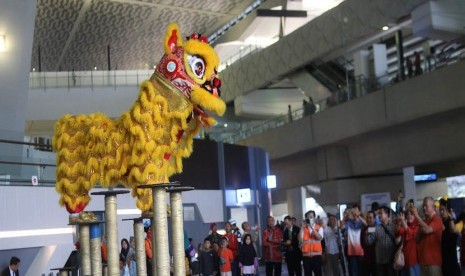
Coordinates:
108 57
160 231
178 234
84 244
111 230
140 248
400 55
95 249
160 227
112 235
38 57
179 265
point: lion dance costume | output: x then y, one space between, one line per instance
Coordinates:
147 143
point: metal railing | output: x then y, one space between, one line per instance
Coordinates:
88 79
28 164
247 50
357 88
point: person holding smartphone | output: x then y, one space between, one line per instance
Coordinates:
429 238
310 237
369 251
407 231
354 224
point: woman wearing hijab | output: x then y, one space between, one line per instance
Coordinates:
124 250
248 257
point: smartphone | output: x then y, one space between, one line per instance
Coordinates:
371 229
307 221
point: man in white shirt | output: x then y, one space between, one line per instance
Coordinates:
331 236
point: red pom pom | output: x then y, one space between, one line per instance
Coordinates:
199 37
78 208
203 39
216 83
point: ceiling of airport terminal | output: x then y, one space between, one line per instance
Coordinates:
74 34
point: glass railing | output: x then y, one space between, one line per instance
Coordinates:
88 79
26 164
252 48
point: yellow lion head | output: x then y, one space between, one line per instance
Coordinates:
192 66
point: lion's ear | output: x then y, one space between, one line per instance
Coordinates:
172 38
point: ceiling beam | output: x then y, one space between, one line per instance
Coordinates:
82 13
281 13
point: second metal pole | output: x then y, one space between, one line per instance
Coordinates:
84 249
178 234
140 248
160 232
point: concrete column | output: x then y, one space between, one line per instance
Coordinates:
380 63
17 20
296 202
409 184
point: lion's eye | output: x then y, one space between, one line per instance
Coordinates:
197 66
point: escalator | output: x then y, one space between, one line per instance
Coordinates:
331 74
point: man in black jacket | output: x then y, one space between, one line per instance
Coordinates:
12 269
291 242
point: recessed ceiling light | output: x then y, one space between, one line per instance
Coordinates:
225 125
385 28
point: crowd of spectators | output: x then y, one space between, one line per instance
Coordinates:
378 242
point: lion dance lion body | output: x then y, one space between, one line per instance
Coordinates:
147 143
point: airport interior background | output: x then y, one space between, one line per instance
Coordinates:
328 103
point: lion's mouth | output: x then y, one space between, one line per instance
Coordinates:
213 86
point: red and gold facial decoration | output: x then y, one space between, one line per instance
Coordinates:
192 66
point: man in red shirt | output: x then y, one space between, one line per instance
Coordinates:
232 245
429 238
272 239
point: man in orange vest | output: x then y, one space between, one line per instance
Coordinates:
310 237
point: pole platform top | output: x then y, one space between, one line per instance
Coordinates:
159 185
179 189
139 219
87 222
111 192
66 268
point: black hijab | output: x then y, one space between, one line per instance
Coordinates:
247 252
124 252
